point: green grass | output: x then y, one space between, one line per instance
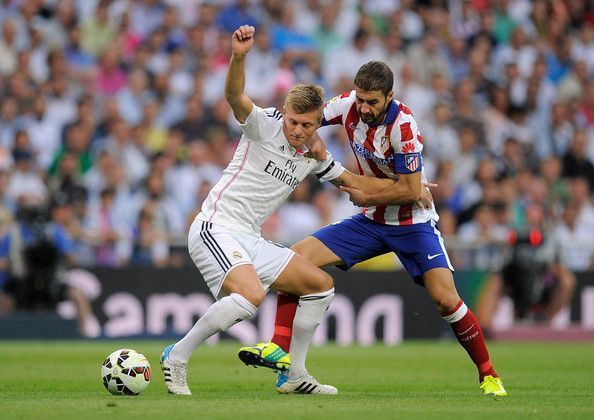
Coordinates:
414 380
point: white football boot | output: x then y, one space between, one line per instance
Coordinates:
305 384
174 374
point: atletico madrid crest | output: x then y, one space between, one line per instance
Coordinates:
385 144
411 162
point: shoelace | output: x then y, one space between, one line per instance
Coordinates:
179 373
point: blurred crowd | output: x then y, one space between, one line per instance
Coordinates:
113 124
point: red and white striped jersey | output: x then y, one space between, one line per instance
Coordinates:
384 151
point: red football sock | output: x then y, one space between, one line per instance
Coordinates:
286 305
470 336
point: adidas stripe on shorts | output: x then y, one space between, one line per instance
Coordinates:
216 250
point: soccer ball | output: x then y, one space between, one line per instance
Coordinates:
126 372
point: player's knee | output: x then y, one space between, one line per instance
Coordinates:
253 292
323 282
255 296
445 300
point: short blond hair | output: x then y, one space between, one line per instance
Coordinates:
304 98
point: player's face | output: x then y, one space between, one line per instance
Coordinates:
372 105
299 128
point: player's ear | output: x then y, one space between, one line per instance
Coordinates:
390 96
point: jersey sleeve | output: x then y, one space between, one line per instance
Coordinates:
336 108
261 123
407 145
328 169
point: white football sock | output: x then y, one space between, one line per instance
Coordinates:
310 313
221 316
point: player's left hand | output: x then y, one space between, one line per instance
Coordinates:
316 147
357 197
426 200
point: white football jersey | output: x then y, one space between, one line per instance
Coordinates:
265 169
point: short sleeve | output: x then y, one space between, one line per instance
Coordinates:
260 123
407 145
336 108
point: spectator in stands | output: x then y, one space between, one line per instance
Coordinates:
576 162
150 246
534 275
109 233
575 242
25 181
33 256
137 73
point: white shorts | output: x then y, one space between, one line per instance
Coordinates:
216 250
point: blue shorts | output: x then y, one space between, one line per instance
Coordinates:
419 247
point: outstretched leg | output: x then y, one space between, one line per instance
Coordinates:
245 293
440 285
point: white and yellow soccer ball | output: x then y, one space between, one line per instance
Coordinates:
126 372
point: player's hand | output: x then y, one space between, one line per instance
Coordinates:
242 39
316 147
357 197
426 200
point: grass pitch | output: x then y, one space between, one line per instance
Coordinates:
414 380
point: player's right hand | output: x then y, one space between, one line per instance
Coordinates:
243 39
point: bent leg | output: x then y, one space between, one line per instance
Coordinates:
245 294
301 277
355 239
316 252
315 288
440 286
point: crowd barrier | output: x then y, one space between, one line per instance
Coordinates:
369 307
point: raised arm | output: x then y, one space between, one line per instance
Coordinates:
242 41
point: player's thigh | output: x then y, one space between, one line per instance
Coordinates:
301 277
217 253
419 247
344 243
314 251
269 258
